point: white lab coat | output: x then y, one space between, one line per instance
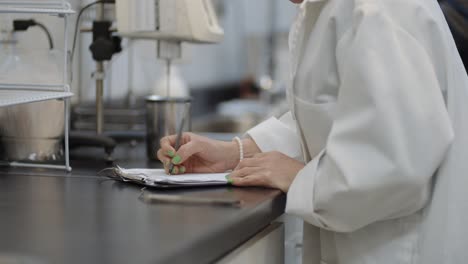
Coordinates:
379 113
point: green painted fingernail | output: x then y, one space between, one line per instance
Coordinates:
175 170
170 153
176 160
182 169
229 180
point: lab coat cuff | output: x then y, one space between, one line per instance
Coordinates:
300 197
274 135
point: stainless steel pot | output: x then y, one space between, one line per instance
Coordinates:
32 132
163 118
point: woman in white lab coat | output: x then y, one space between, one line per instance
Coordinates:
374 149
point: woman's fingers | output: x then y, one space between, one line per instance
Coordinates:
175 169
272 170
166 160
250 176
186 151
168 155
245 172
182 169
250 162
167 144
258 180
178 170
162 157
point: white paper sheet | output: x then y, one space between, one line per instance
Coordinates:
158 176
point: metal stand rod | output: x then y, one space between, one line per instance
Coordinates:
66 101
131 102
168 78
67 134
99 98
99 82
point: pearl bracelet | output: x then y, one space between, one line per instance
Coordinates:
241 148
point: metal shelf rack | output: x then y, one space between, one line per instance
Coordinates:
18 93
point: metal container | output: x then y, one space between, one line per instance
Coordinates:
32 132
163 117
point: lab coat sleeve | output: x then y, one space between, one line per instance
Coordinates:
390 133
278 135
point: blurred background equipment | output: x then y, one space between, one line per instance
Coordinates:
169 23
27 136
33 123
163 115
245 65
23 25
103 47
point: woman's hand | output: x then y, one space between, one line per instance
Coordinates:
198 154
272 169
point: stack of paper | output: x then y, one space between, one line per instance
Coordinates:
158 178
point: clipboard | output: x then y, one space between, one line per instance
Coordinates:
157 178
